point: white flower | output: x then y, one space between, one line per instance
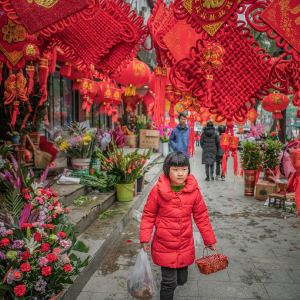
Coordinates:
58 139
31 244
36 185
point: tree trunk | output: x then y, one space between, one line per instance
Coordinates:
273 127
282 132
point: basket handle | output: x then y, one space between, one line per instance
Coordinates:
207 250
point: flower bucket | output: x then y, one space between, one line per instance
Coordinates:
250 176
165 149
139 183
15 139
268 174
95 165
81 166
35 138
124 192
160 150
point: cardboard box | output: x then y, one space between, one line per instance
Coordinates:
149 139
264 189
131 141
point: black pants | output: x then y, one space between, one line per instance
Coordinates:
197 143
170 279
219 165
211 167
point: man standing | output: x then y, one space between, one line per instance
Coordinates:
179 138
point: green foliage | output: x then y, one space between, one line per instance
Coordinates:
14 204
99 182
109 214
251 156
271 153
290 208
5 151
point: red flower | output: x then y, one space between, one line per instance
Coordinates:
20 290
50 190
25 267
4 242
54 195
51 257
55 203
46 271
62 234
27 197
67 268
25 225
37 237
49 196
25 255
48 225
67 210
45 247
31 207
129 241
273 134
129 171
44 192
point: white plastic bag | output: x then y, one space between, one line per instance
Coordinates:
140 283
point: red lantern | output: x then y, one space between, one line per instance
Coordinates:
252 115
92 92
149 103
275 103
135 74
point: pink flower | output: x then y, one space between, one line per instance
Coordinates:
44 234
50 207
9 231
36 224
67 210
40 200
43 261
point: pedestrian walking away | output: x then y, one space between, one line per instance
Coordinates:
219 157
197 139
209 144
179 138
169 208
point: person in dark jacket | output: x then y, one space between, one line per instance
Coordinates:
209 144
180 136
220 153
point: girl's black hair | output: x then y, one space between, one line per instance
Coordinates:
175 159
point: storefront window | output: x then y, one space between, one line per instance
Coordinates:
60 98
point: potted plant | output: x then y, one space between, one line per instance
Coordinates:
126 168
251 159
15 136
78 144
270 158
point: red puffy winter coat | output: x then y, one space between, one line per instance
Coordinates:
171 213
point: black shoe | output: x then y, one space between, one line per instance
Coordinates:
212 178
207 178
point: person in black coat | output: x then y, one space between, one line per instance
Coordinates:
209 144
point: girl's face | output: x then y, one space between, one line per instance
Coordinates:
178 175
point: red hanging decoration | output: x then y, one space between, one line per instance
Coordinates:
252 115
84 90
92 92
224 143
15 113
43 76
191 124
1 66
148 100
233 145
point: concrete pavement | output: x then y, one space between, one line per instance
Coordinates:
262 245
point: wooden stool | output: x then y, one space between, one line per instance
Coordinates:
281 197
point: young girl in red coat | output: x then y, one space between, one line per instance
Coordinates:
169 208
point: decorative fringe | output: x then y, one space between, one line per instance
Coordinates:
66 69
235 163
191 148
108 109
102 109
224 163
242 171
278 126
15 113
43 76
89 105
76 84
278 172
115 115
30 72
130 90
85 102
53 62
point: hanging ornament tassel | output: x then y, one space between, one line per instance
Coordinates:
15 113
242 171
30 72
278 126
1 66
115 115
130 90
224 163
257 175
158 75
102 108
108 109
53 61
89 105
43 77
163 95
66 69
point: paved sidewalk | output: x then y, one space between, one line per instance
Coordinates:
262 245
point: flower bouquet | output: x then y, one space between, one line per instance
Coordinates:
126 168
77 142
164 133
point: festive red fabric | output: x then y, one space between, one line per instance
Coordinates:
170 212
42 13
